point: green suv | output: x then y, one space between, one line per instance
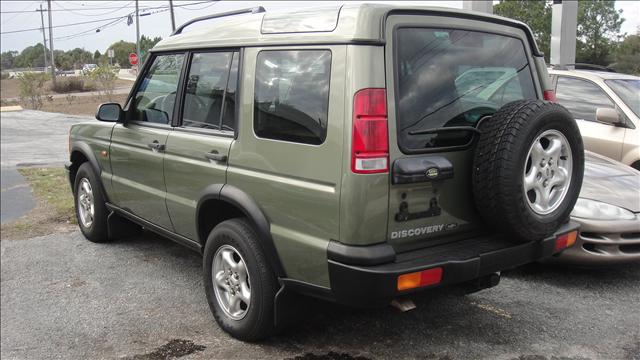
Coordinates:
357 154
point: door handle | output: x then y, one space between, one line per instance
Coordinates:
216 157
156 146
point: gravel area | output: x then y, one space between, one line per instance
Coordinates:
64 297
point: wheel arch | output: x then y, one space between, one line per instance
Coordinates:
79 154
220 202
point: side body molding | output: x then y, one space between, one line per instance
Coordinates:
238 198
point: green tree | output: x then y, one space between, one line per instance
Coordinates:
627 55
121 51
7 59
536 14
96 56
31 56
146 44
598 31
63 60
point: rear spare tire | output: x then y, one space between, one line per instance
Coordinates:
527 169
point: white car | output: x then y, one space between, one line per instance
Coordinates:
606 106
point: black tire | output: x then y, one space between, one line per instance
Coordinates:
500 162
97 231
258 322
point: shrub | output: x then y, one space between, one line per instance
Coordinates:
105 79
70 84
31 88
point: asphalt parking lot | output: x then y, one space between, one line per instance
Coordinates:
64 297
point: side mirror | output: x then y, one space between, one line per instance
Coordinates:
608 116
110 112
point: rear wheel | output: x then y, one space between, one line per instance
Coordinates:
239 283
527 169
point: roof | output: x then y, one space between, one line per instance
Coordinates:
313 25
595 75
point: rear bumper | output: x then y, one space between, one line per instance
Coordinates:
357 283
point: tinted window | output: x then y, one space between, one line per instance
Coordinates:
156 95
204 94
581 97
454 78
292 95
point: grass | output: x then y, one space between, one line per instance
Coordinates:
80 105
10 88
54 211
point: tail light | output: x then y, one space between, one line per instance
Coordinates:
370 143
549 95
419 279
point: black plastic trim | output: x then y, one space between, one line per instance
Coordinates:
239 199
461 261
418 169
194 245
85 150
360 255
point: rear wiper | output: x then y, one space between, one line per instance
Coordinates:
444 129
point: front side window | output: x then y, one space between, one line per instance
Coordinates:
628 91
156 96
292 95
581 97
453 78
205 90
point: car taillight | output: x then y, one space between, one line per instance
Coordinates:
370 143
549 95
419 279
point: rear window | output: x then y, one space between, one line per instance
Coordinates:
453 78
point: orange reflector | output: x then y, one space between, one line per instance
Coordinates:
566 240
419 279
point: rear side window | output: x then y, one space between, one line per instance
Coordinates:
453 78
291 100
208 96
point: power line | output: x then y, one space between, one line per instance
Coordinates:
101 14
59 26
95 30
113 18
102 8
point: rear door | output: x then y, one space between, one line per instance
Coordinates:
138 145
198 148
444 74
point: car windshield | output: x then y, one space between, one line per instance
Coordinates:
628 91
453 78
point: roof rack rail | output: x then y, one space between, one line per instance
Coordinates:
253 10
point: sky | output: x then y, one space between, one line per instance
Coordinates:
21 15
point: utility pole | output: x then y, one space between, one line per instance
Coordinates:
173 17
137 35
44 37
53 62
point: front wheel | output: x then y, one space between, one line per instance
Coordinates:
239 283
91 211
